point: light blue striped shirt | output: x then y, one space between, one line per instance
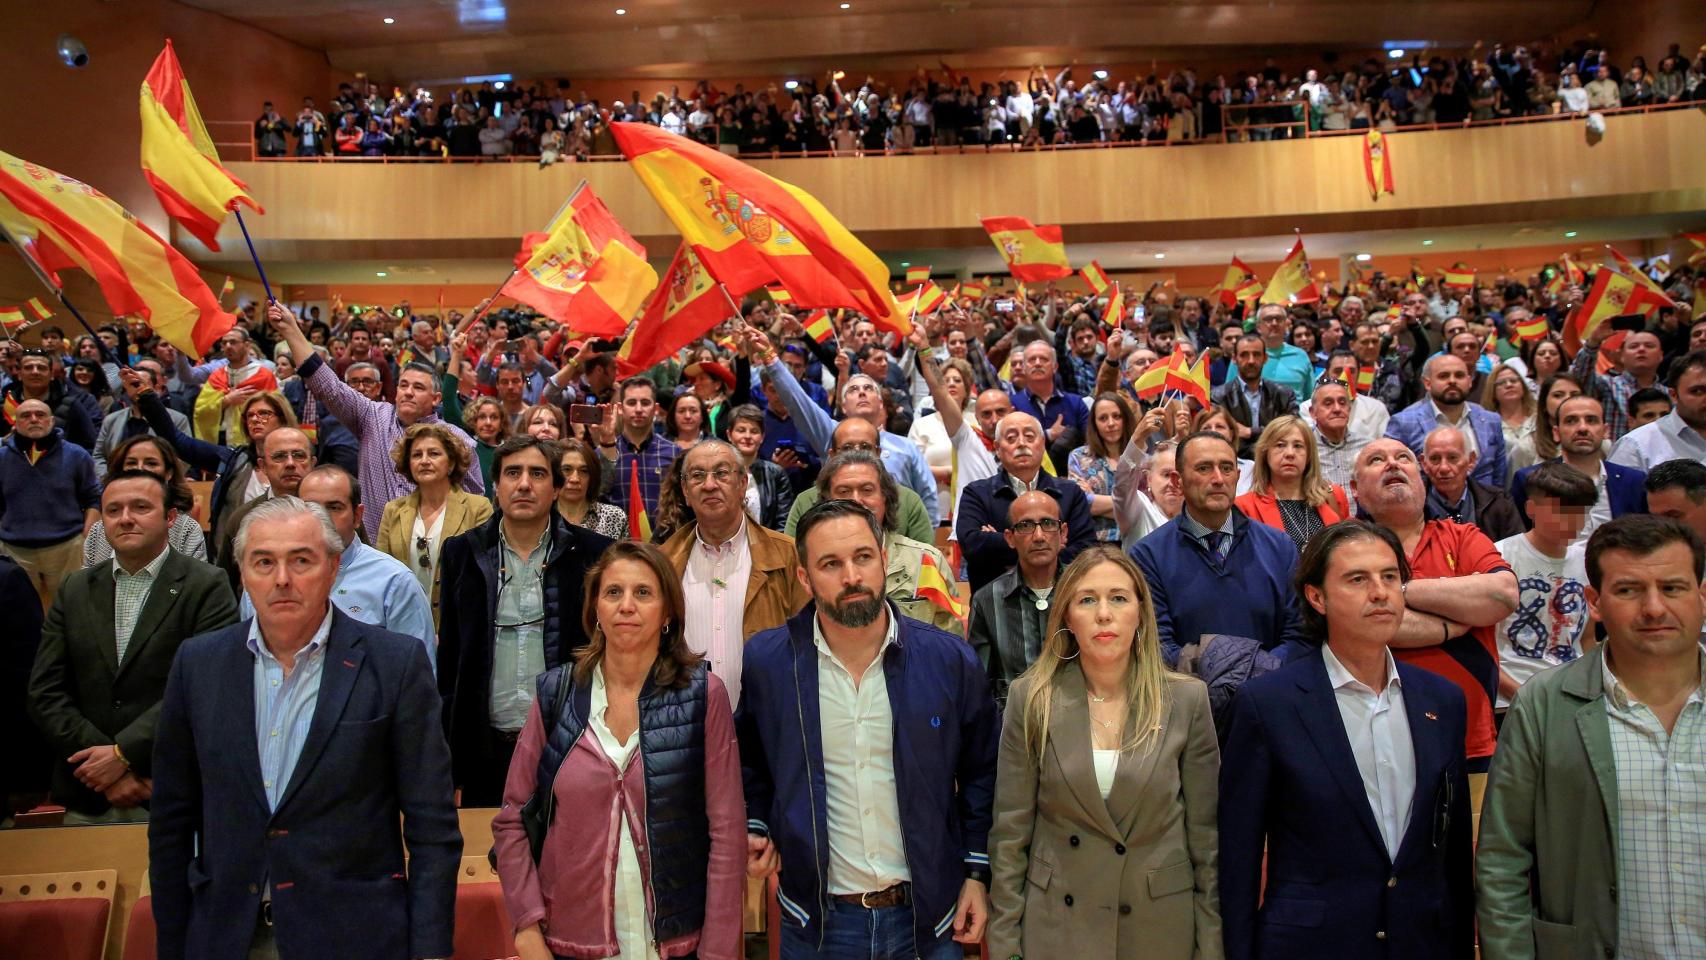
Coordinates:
284 704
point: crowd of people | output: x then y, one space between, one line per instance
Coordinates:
948 108
961 636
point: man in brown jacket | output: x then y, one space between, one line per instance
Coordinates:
738 577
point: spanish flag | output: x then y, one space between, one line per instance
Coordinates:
1192 381
60 223
1612 295
935 587
779 294
1291 282
923 301
1364 381
1032 252
12 319
917 275
34 307
178 156
1534 328
1115 311
1458 276
1650 296
749 229
584 271
1377 163
974 289
639 524
1096 277
1155 378
226 288
1238 273
1698 257
818 326
683 308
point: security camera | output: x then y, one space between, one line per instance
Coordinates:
72 52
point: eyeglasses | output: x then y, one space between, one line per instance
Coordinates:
864 445
261 415
1046 525
699 475
362 381
280 456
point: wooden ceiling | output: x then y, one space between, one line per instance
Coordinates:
437 40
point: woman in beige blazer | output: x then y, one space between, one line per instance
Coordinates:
414 527
1104 842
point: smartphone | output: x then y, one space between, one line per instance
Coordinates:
512 345
785 444
1139 314
586 413
1003 306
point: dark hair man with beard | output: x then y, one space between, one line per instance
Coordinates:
887 715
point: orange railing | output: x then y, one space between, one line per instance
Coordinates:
1235 129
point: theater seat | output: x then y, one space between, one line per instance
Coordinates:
57 916
484 930
139 935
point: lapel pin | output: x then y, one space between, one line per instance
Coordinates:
349 664
1430 715
173 591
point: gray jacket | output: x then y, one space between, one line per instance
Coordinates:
112 433
997 629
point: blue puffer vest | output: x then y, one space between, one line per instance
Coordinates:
672 750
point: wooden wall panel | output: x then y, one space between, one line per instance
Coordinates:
1645 164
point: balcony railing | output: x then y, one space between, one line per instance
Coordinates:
238 141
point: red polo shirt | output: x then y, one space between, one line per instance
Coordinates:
1451 549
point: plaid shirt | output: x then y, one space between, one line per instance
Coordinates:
1661 825
130 593
653 458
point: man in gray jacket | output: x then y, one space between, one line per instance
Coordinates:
1593 830
127 421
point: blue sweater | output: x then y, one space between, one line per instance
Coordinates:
42 504
1248 595
945 737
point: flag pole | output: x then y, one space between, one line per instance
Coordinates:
252 256
59 294
479 312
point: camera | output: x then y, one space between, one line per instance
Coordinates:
72 52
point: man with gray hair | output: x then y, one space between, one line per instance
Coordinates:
861 397
288 748
1064 416
984 506
364 378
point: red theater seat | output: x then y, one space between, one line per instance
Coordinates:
139 935
57 916
483 927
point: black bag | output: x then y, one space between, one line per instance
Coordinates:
536 812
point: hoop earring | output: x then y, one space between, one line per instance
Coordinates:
1058 633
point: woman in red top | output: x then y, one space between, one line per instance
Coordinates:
1288 491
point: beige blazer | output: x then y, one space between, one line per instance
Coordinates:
1132 876
463 511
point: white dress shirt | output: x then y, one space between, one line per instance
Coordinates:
1661 825
633 932
1379 731
857 728
715 590
1464 426
1667 438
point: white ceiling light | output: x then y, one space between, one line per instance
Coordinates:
1395 53
1364 257
847 6
790 84
1161 256
380 274
1427 243
621 11
1101 74
390 20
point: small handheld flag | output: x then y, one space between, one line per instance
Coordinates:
1096 277
934 587
917 275
818 326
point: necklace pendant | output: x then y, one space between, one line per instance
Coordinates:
1041 603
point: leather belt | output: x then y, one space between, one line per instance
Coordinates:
899 895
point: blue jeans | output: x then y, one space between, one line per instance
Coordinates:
855 933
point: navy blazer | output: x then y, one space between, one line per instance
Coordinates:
1411 426
332 853
1288 779
1625 488
986 502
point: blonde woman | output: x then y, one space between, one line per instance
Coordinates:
414 527
1507 394
1288 492
1105 831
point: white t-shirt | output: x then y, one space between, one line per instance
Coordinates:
1552 611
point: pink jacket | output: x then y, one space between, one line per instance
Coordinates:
572 891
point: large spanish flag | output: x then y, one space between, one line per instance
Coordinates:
685 306
1032 252
584 271
1649 296
1238 273
60 223
750 229
1096 277
1376 163
1612 295
178 156
1291 282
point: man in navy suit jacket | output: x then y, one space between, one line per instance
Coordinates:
1579 429
288 749
1348 766
1020 445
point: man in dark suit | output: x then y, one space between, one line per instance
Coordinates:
515 611
1251 400
1580 431
106 649
25 759
289 747
1347 766
982 520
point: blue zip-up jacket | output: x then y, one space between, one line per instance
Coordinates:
945 735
